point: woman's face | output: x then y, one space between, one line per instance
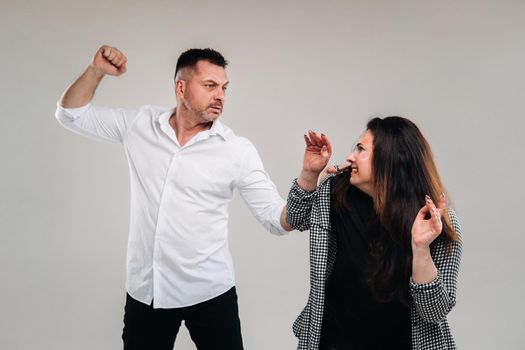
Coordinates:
361 159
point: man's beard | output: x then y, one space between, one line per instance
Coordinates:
203 115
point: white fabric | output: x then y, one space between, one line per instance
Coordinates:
178 251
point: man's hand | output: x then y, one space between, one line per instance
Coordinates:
109 60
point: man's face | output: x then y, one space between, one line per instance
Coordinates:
204 91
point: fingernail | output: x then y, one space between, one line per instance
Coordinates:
427 198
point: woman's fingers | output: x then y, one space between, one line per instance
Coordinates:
327 143
324 152
435 215
441 201
316 139
422 213
442 205
425 229
307 141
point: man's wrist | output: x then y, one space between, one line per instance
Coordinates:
94 73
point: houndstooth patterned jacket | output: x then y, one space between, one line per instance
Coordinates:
431 302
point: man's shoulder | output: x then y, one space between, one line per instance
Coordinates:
232 137
153 110
242 142
150 114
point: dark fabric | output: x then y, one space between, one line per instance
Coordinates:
213 324
352 318
324 346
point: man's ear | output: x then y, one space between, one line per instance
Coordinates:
180 87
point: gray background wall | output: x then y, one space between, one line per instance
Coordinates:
455 67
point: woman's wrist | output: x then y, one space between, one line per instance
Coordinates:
423 268
421 250
307 180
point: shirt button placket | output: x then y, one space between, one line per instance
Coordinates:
166 196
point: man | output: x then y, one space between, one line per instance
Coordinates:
184 168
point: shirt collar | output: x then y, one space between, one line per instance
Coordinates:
217 128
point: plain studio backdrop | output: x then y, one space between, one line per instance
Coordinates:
456 68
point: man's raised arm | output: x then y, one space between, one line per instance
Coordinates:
107 60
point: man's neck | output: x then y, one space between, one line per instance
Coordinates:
186 126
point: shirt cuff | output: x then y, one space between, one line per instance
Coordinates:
276 220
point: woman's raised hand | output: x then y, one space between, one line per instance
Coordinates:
425 231
317 153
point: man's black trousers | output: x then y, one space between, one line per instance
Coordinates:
213 324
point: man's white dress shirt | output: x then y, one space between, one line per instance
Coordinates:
178 251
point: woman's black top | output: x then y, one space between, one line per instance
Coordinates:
353 319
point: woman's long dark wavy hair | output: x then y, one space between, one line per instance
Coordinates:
403 172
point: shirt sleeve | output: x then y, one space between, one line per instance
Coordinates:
259 192
99 123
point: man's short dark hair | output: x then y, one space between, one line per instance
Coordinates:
189 58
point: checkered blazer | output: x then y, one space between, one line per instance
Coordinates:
431 302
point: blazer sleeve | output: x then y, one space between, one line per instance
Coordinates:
434 300
299 207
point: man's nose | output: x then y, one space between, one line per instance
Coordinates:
220 95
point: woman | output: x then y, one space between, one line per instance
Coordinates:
383 258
